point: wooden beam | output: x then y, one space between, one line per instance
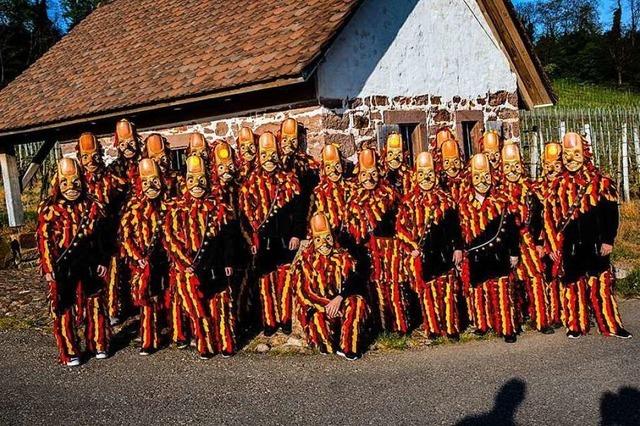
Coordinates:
11 183
36 162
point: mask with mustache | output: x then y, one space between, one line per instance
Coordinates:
451 162
552 160
127 142
90 157
150 177
321 233
511 162
481 173
268 152
247 144
196 176
425 173
393 156
332 166
69 181
224 162
368 175
572 152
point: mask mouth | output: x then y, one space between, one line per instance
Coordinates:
71 194
128 153
325 249
394 164
197 191
426 185
573 165
91 167
269 165
482 188
226 177
452 171
513 177
248 155
369 184
152 193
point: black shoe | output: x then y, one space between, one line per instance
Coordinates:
269 331
510 338
454 337
352 357
557 325
547 330
206 355
182 345
479 332
145 352
227 354
323 350
622 334
286 328
573 334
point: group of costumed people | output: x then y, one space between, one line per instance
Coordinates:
207 254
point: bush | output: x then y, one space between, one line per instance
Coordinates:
630 285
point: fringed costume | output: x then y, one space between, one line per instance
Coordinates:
69 257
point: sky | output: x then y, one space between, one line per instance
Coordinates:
606 8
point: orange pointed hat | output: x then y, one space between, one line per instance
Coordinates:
367 159
289 128
195 165
511 153
148 168
319 224
443 135
572 140
124 130
552 152
197 142
450 149
245 135
155 145
222 153
88 143
479 163
491 141
394 142
424 160
68 167
330 154
267 142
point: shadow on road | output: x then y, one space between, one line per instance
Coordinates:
506 404
620 409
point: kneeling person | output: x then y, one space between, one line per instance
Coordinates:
329 291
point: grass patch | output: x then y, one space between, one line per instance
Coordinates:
629 286
11 323
393 341
575 94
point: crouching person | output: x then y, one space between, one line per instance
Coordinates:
67 221
333 308
198 237
141 238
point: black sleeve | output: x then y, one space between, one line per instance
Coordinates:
300 211
535 219
609 219
229 241
512 236
352 285
453 230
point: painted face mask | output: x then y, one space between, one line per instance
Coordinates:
425 173
481 173
69 184
268 152
451 162
552 160
196 176
224 162
511 162
572 152
289 137
491 148
157 150
331 163
127 144
247 144
198 145
150 177
368 175
393 157
90 158
321 233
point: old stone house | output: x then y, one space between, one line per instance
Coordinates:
348 70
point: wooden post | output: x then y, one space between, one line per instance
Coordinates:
11 183
535 156
36 162
563 129
625 163
636 147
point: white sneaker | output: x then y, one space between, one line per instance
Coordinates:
102 355
73 362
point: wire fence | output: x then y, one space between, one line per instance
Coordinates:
614 134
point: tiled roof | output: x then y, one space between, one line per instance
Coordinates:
130 53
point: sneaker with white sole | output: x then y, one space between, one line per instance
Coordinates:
73 362
102 355
573 334
622 334
144 352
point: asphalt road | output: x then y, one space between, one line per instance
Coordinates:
539 380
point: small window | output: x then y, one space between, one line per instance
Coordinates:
412 128
469 125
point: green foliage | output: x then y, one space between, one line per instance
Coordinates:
393 341
575 94
75 11
630 285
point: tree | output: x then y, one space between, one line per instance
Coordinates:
617 47
75 11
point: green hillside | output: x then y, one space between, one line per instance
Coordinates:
573 94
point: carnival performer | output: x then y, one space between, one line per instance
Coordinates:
69 258
395 168
370 213
428 224
141 232
547 187
247 146
587 205
270 201
331 297
527 212
101 185
197 234
452 177
491 237
491 146
157 148
332 192
125 166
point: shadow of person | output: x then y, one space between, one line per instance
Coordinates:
620 409
505 406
